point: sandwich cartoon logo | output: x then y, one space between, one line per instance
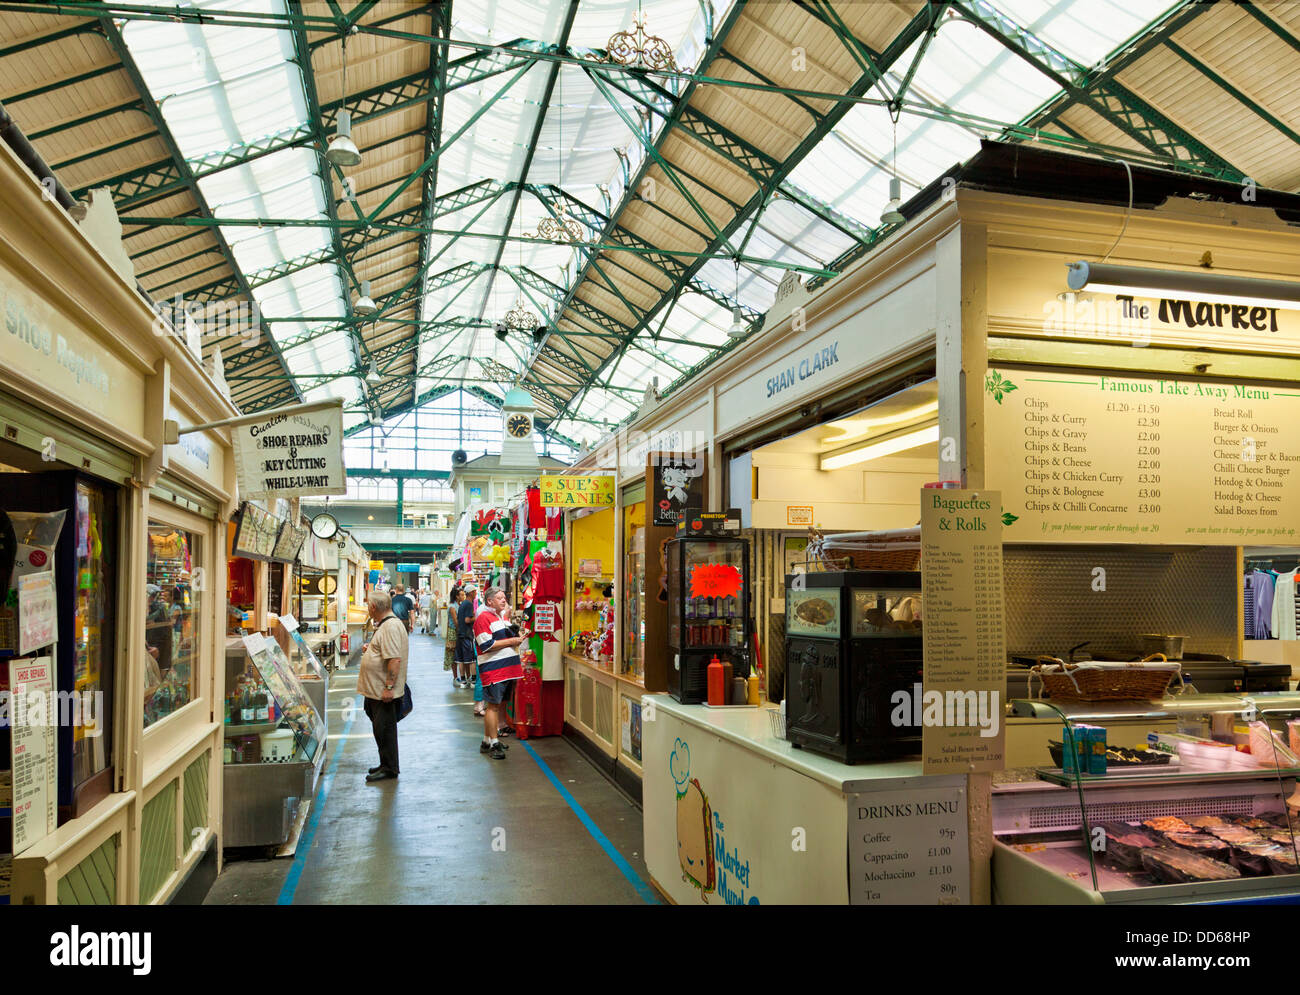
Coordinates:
701 848
694 823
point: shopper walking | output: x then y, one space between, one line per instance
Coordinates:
499 666
404 607
422 601
382 681
465 639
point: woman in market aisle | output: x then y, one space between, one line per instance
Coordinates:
465 658
449 660
499 666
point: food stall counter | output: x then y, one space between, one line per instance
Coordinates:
736 815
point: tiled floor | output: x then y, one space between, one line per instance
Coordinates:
456 827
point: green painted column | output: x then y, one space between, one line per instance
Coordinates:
400 482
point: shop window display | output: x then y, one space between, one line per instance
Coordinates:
634 602
172 622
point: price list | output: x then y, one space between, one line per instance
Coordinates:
909 846
33 751
1121 459
964 636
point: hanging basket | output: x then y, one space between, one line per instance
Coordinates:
899 549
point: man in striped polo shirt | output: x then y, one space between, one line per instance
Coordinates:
498 665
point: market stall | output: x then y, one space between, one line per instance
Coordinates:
1119 485
118 596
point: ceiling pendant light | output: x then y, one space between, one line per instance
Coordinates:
342 149
892 215
737 329
373 375
364 304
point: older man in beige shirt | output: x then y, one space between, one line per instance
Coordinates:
382 681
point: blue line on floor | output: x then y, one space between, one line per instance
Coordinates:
309 832
644 890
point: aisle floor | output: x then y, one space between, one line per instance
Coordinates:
542 826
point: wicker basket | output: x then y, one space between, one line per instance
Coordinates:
896 550
1145 681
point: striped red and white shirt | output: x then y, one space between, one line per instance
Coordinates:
501 663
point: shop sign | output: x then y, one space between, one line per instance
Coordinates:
677 486
376 564
909 845
798 514
571 491
33 750
292 455
544 616
38 623
1125 459
959 705
65 360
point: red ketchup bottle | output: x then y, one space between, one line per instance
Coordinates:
717 686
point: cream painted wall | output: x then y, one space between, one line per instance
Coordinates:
853 498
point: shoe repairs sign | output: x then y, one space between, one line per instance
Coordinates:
296 453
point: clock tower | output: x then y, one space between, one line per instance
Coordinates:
517 448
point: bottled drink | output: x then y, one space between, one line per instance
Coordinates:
261 708
246 707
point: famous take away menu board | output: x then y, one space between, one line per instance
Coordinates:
960 705
1110 458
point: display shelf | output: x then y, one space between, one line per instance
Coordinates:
1166 775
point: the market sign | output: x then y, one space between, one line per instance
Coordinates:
292 455
590 491
1115 458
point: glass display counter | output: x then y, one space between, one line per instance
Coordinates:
1207 812
274 741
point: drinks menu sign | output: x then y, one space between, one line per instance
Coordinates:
959 707
1112 458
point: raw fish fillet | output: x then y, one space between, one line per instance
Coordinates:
1206 821
1172 865
1168 824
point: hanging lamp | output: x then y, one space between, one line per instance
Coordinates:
343 151
373 375
737 329
365 303
892 214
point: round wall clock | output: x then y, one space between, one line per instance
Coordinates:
324 526
519 426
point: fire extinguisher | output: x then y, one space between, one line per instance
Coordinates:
343 643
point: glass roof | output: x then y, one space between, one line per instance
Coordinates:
220 86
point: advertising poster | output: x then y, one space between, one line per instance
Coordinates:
38 623
678 484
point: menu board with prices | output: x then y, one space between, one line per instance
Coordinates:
909 845
1121 459
33 750
959 707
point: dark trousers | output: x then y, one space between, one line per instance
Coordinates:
383 722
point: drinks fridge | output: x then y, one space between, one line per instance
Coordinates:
708 610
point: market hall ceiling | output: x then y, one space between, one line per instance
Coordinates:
509 164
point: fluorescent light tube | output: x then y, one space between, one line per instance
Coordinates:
884 447
1213 288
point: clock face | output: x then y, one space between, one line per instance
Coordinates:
519 426
324 526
